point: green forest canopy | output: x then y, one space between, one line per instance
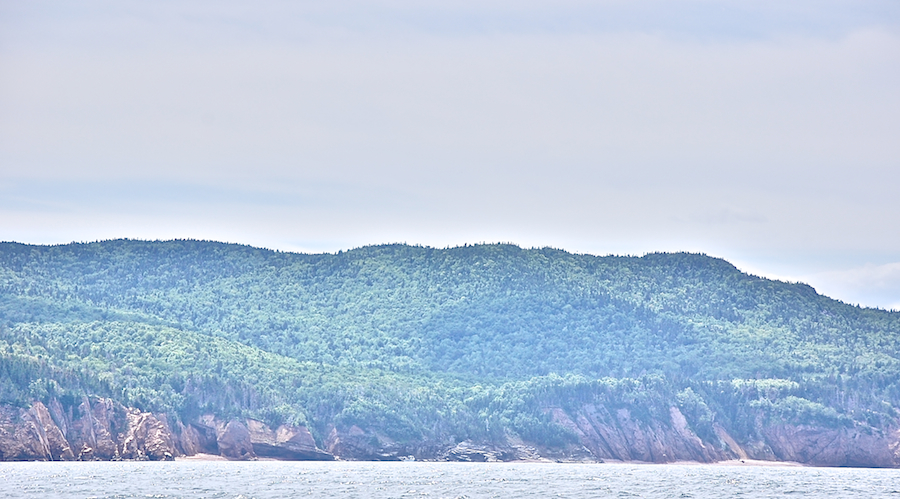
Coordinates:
418 341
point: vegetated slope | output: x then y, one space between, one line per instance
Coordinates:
427 344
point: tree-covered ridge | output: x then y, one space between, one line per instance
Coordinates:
417 340
412 308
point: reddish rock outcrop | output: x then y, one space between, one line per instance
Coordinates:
93 429
229 439
146 436
355 443
234 441
101 429
617 435
52 437
191 441
834 447
96 429
285 442
23 436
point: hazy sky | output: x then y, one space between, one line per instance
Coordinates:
764 132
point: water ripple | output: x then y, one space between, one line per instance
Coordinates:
346 480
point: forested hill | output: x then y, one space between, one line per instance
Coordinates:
326 338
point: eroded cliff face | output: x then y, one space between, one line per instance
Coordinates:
615 434
356 443
102 429
248 440
31 434
834 447
620 436
94 429
285 442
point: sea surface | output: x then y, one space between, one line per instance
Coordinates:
271 479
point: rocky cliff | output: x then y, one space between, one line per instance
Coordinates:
102 429
618 435
832 447
93 429
604 434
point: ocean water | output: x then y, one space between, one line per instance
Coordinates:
274 479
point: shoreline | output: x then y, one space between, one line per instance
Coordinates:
731 462
748 463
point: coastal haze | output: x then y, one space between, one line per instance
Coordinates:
759 132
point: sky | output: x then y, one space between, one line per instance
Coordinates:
763 132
